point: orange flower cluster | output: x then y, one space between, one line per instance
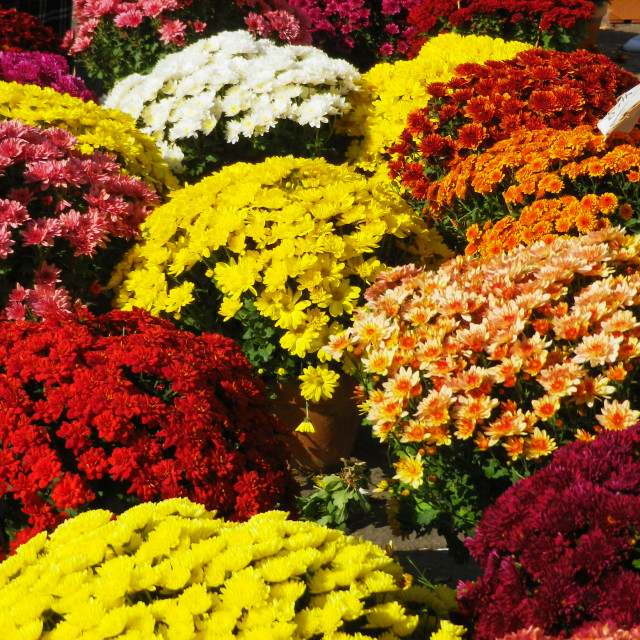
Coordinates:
497 350
484 103
538 185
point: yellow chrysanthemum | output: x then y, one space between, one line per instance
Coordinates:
318 383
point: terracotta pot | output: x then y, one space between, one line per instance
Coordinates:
593 27
336 423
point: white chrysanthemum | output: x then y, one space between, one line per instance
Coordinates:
237 82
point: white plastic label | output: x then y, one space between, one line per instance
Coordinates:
624 115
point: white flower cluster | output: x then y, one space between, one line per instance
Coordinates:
235 80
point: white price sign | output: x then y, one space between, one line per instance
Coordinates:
624 115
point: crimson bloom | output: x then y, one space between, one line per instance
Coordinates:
107 411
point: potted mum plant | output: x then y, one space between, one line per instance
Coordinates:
108 411
97 129
276 255
45 70
111 40
174 569
559 550
475 373
552 25
235 97
22 31
67 218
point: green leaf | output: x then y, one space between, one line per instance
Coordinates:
427 516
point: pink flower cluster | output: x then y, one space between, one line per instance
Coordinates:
335 26
59 204
126 14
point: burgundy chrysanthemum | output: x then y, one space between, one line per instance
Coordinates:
559 549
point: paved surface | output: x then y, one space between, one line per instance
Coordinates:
612 38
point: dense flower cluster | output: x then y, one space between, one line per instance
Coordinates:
120 408
554 25
484 103
389 92
284 247
537 185
20 31
60 208
362 31
490 364
114 39
175 570
43 69
200 101
559 549
97 129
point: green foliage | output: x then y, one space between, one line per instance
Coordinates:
338 497
204 154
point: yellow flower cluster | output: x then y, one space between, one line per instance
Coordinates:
301 237
97 129
173 571
390 91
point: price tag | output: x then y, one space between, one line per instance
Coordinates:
624 115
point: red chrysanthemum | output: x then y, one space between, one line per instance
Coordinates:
111 410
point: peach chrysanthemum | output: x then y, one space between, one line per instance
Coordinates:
629 348
413 431
584 436
389 410
509 423
472 378
597 349
419 313
539 444
465 428
434 408
378 361
571 326
403 385
372 328
590 389
337 345
439 435
561 379
507 369
410 471
616 416
620 321
476 409
616 373
514 447
428 350
545 407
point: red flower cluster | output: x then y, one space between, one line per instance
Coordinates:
21 31
488 102
103 412
556 24
559 549
60 205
